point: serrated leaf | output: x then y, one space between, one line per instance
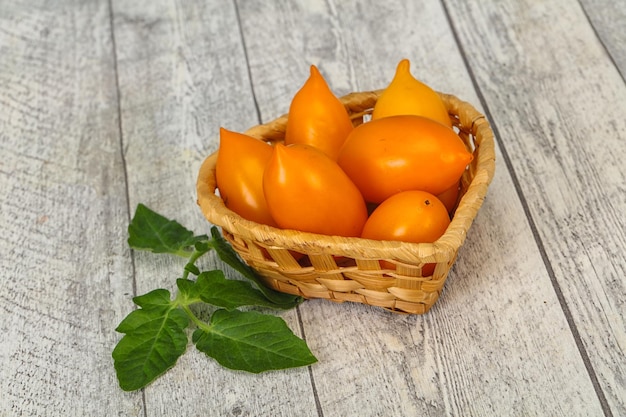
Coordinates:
155 338
252 342
212 287
155 298
187 289
230 257
151 231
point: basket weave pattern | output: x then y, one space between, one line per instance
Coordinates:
350 269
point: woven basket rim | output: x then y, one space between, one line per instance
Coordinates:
469 120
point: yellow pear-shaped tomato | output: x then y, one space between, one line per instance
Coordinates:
307 191
401 153
317 118
241 161
407 95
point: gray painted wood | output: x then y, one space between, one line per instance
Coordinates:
410 365
183 74
65 268
105 104
559 104
609 20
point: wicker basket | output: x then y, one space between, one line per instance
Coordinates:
349 269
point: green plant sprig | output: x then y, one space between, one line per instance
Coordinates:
155 334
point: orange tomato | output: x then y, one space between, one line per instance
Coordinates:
307 191
409 216
240 164
400 153
407 95
450 196
317 117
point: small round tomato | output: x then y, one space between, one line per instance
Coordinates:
307 191
407 95
409 216
317 118
239 170
401 153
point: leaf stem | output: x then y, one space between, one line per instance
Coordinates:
182 253
199 323
191 263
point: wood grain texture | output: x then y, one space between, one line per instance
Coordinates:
108 103
608 19
183 74
65 268
560 100
441 363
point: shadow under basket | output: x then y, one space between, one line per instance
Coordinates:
397 276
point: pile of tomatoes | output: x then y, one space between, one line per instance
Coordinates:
395 177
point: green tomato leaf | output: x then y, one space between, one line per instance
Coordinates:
214 288
252 342
192 269
153 299
188 290
227 254
154 340
150 231
154 335
202 246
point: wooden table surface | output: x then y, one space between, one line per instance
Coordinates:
105 104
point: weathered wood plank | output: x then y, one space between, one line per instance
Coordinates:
66 272
560 104
609 21
183 74
497 343
444 363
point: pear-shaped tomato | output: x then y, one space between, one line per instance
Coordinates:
407 95
450 196
241 161
317 117
400 153
307 191
409 216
